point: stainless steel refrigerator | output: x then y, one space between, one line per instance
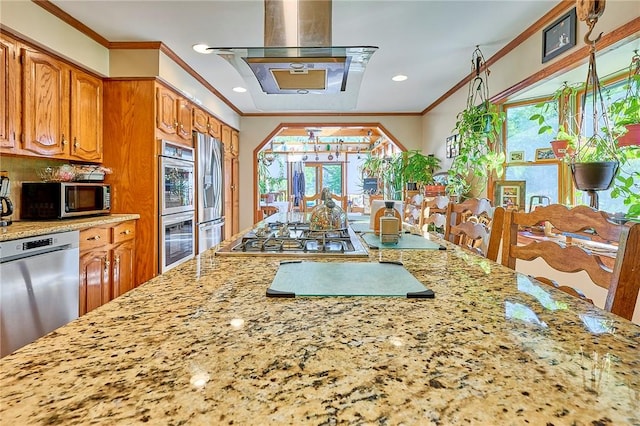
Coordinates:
210 191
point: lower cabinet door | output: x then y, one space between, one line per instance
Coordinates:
94 279
123 268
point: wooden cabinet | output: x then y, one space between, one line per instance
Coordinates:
174 115
45 104
9 95
107 261
61 109
235 181
205 123
200 121
86 117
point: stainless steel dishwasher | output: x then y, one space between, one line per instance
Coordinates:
39 287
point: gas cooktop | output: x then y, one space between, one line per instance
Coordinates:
295 238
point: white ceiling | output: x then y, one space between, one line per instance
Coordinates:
429 41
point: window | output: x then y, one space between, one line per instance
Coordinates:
610 94
542 177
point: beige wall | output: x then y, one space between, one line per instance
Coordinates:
405 129
521 63
36 24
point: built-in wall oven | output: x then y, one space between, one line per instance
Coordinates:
177 206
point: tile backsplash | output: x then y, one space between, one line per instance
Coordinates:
22 169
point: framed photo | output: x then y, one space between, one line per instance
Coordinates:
509 194
545 154
516 156
559 36
452 146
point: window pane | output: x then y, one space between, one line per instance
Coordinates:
522 133
541 180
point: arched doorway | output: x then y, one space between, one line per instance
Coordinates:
299 159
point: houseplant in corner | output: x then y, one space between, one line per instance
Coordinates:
418 168
479 126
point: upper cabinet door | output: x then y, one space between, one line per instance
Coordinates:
185 111
166 116
9 95
86 117
214 127
200 120
45 104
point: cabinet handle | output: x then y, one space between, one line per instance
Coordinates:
175 125
106 266
76 144
95 238
117 261
126 232
64 142
181 127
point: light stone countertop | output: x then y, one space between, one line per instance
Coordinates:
202 345
32 228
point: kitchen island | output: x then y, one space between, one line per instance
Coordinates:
202 344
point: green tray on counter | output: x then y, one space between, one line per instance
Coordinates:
298 278
407 241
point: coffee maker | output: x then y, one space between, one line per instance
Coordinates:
6 206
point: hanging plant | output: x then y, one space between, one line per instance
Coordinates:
595 163
479 126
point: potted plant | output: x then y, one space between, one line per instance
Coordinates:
628 187
479 128
625 112
418 169
564 141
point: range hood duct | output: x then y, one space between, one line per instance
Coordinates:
298 59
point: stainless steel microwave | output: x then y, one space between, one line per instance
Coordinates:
59 200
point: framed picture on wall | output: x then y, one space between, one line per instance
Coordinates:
509 194
559 36
452 146
516 156
545 154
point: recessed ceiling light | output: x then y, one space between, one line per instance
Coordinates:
239 89
202 48
399 77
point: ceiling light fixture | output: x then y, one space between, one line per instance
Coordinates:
239 89
399 77
202 48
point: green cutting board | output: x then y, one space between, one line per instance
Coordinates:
299 278
407 241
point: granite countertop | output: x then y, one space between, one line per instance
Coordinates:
32 228
201 344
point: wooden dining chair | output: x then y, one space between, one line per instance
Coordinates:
268 211
477 210
312 198
480 235
567 253
433 216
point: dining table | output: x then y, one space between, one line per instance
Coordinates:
203 344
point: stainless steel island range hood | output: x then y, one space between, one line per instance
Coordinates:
320 76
